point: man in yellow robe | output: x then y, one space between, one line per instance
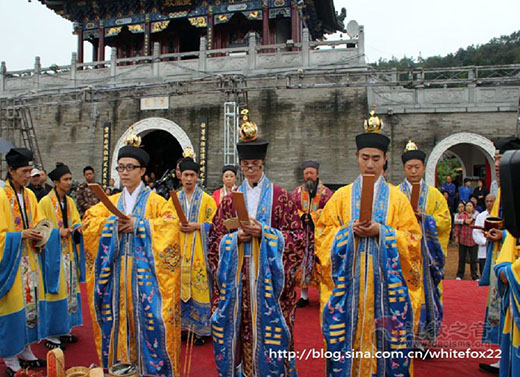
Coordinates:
434 218
65 305
371 287
196 286
23 318
134 281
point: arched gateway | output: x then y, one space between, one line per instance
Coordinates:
163 139
480 142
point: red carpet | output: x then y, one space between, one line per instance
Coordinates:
464 308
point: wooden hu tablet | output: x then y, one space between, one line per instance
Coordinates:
100 193
414 198
367 197
240 207
178 208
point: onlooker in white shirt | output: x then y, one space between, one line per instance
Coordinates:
478 234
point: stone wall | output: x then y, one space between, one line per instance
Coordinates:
300 123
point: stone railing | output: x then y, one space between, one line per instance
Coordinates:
250 59
457 89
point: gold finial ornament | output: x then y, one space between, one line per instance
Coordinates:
411 146
189 153
248 130
374 123
132 139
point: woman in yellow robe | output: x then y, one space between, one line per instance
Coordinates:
196 286
136 267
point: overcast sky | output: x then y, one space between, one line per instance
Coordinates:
392 28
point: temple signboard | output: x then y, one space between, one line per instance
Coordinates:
155 103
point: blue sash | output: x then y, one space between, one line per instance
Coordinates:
79 253
266 275
509 294
392 306
10 262
147 302
433 269
51 262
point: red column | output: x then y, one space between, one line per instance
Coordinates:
101 43
266 40
295 24
80 45
488 175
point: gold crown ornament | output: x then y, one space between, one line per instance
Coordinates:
132 139
411 146
374 123
189 153
248 130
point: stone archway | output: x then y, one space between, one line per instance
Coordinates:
485 145
144 127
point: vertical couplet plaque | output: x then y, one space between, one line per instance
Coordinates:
105 172
203 149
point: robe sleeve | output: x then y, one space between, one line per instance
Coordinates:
10 253
438 208
217 232
297 200
211 209
508 262
408 234
327 227
289 223
93 222
507 252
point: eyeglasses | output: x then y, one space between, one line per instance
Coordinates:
129 167
250 167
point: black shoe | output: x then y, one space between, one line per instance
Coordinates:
68 338
302 303
489 368
38 363
51 345
199 341
9 372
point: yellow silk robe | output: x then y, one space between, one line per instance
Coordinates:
400 216
508 262
165 244
21 295
195 280
437 206
68 286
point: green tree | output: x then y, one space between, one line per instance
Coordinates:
448 166
498 51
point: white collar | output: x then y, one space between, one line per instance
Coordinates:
410 185
130 200
259 185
